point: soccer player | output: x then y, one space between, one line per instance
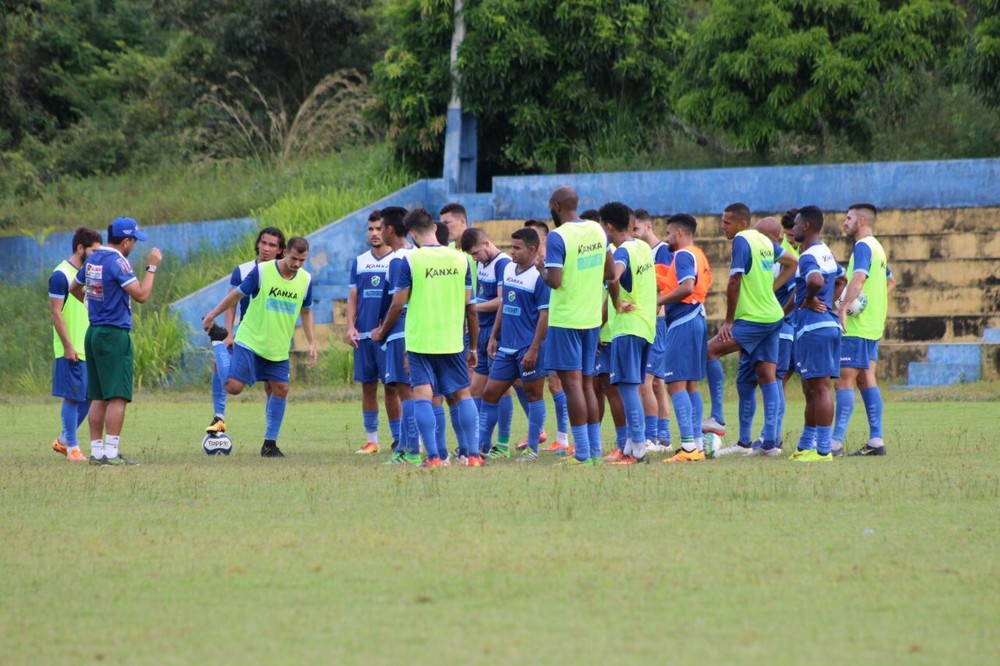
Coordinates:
107 283
397 375
69 330
632 293
435 282
575 265
279 291
752 327
868 272
491 263
515 342
364 310
686 283
817 334
270 244
653 390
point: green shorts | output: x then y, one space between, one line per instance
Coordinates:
110 363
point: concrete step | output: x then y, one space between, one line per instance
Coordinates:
942 374
969 354
991 336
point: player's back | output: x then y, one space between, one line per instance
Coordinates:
579 248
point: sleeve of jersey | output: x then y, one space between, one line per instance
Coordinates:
353 283
741 256
807 265
405 279
251 284
542 292
621 257
468 282
58 285
392 275
778 251
234 279
888 272
862 258
307 302
81 275
686 267
122 272
555 251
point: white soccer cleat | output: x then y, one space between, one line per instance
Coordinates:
734 450
713 426
766 453
655 447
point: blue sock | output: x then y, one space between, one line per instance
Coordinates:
218 393
748 405
873 405
779 422
823 439
440 429
697 411
67 415
808 439
506 419
621 436
394 428
770 392
82 409
371 421
409 436
651 423
581 442
488 416
716 378
456 425
845 406
684 415
594 435
633 411
222 362
536 422
522 398
423 414
663 429
478 402
468 416
274 414
562 411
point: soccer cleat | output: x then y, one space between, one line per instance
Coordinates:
446 462
75 455
412 459
655 447
474 461
614 456
555 447
573 461
369 447
216 426
271 450
711 425
631 460
735 449
217 333
868 450
527 456
764 453
665 446
499 451
97 462
119 461
523 444
686 456
810 455
57 447
396 459
837 453
431 462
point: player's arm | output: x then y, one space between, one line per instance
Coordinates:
492 305
230 300
309 330
472 324
352 317
541 328
76 290
890 281
732 298
814 282
683 290
494 341
790 303
788 265
687 270
399 299
230 320
142 291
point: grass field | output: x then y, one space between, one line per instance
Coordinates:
328 556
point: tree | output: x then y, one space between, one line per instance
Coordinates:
983 58
758 69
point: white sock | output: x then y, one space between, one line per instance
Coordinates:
628 447
699 442
562 438
111 446
638 449
876 443
372 437
97 448
836 445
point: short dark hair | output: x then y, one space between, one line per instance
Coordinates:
813 215
617 214
472 237
740 210
591 214
788 218
86 237
866 208
643 214
112 240
298 244
687 222
526 235
419 220
441 233
392 217
271 231
456 208
537 224
375 215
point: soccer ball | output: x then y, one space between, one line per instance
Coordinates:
855 308
713 444
216 444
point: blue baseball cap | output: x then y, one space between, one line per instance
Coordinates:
126 227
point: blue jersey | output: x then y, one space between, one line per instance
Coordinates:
392 280
489 277
240 273
105 275
368 277
742 261
524 294
686 268
817 259
250 287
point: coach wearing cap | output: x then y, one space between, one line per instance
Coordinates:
106 283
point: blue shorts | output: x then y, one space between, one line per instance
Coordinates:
572 349
446 373
629 354
817 353
248 367
395 362
687 351
760 345
69 379
602 359
858 352
369 361
507 367
786 341
483 360
657 357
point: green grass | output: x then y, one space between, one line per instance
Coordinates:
328 556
